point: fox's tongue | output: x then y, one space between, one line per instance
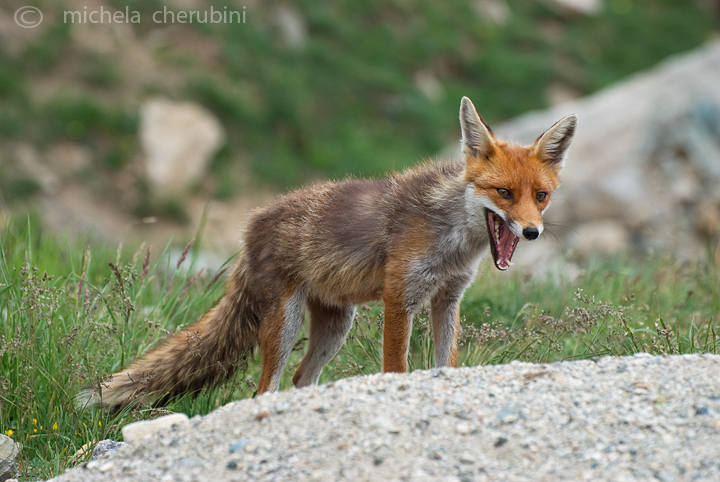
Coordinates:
502 241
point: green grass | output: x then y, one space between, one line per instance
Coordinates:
72 312
75 311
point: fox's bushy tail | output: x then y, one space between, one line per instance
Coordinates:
206 353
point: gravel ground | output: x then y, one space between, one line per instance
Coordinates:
629 418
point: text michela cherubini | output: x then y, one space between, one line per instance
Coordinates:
165 16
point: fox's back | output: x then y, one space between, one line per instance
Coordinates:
328 239
333 238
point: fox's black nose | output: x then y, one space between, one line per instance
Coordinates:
531 233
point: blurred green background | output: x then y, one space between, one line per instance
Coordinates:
311 89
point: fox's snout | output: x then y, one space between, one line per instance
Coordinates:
527 229
531 233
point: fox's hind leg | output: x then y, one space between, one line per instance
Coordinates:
278 334
328 328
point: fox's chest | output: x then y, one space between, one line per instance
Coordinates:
447 271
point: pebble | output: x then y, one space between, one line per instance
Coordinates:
239 445
105 447
137 431
614 419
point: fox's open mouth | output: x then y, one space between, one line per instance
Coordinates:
502 240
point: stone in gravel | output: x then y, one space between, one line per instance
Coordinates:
462 428
282 407
105 447
8 455
500 442
466 458
381 454
702 411
384 423
665 476
509 414
137 432
239 445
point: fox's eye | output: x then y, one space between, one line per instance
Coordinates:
540 196
504 193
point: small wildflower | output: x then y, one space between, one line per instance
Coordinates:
9 432
34 421
99 423
54 427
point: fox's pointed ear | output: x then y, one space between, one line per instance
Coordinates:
553 145
477 137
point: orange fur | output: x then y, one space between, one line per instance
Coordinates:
520 170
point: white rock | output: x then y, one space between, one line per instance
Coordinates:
585 7
496 11
427 82
179 139
136 432
291 24
8 455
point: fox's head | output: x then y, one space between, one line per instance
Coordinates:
510 185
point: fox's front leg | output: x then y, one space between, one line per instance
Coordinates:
445 317
396 334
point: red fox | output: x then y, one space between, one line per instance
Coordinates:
408 239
